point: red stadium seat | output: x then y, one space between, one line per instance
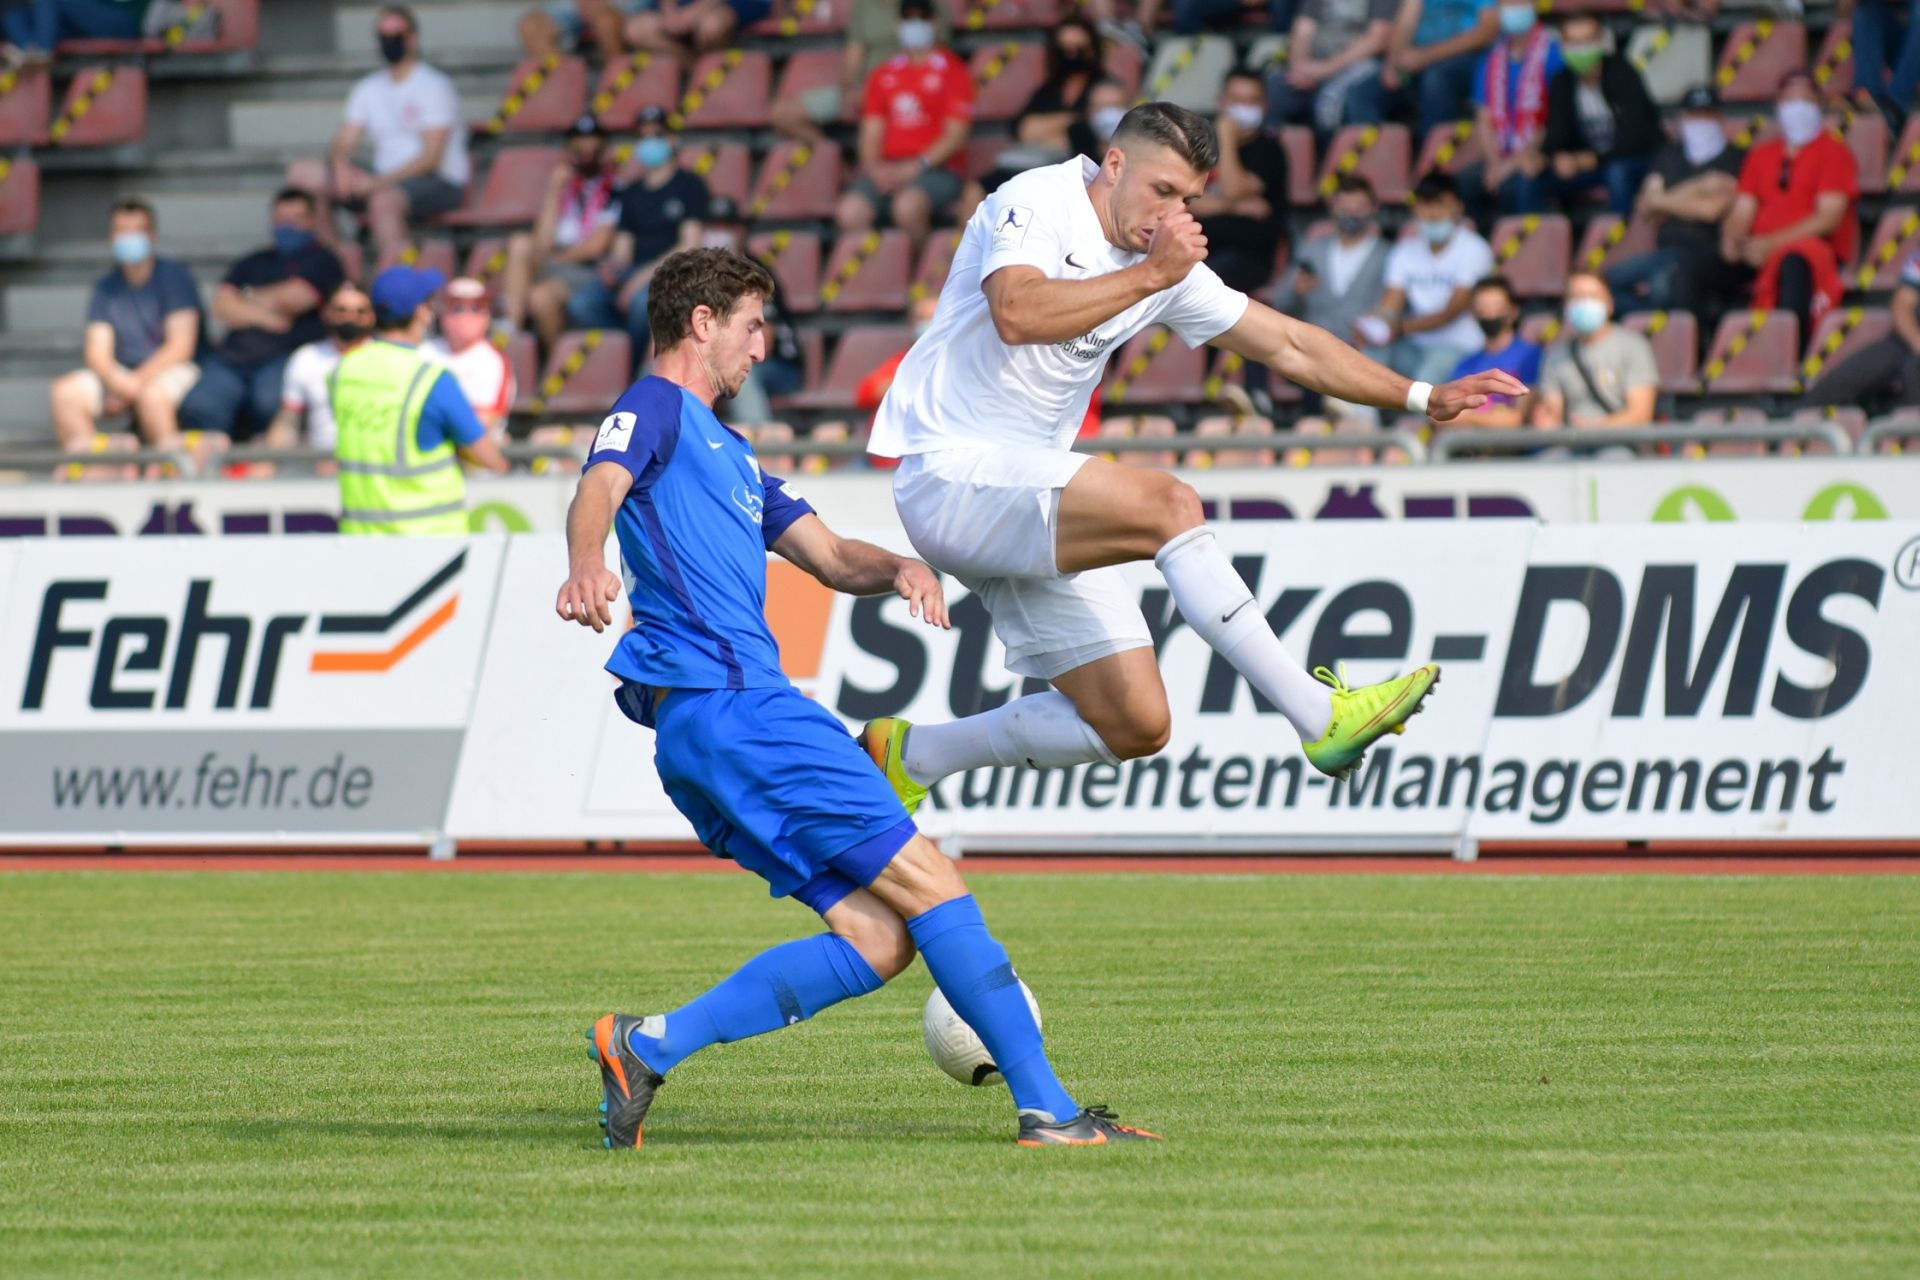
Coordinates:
1866 136
487 262
544 96
1896 239
1833 65
983 154
1531 252
859 353
1297 140
803 18
586 372
1754 353
1903 170
1609 241
813 355
1840 333
636 81
510 197
936 259
810 69
436 254
1005 15
727 90
239 29
1005 75
523 357
724 168
104 107
1542 328
797 181
794 259
26 108
19 197
1448 149
1125 63
868 272
1851 420
1155 368
1675 336
1379 153
1144 427
1755 56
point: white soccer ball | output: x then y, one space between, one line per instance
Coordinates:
954 1047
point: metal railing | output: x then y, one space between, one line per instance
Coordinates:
1449 443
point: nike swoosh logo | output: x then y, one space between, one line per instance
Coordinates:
715 444
1076 266
1229 616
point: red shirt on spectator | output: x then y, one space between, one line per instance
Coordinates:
1823 167
916 99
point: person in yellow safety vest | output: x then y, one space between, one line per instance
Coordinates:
404 424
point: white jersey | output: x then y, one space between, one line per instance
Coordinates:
961 387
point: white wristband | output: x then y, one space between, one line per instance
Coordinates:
1417 396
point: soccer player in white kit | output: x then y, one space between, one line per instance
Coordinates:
1056 270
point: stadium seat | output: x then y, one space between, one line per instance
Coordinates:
1866 136
814 464
26 108
1267 51
1257 432
797 181
1737 416
523 358
1903 168
636 81
586 372
1531 252
1188 71
774 433
19 197
1675 336
104 107
794 259
1542 328
813 355
860 351
1004 15
1833 64
1896 239
1005 76
868 272
1849 419
1142 427
936 258
1448 149
511 194
1125 63
1297 139
1379 153
983 154
544 96
1315 428
1155 368
239 29
1754 58
726 168
486 262
1672 58
1754 353
727 90
1840 333
803 18
1210 430
810 69
436 254
1608 241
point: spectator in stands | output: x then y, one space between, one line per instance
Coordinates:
270 302
1244 208
1604 374
1498 315
873 388
143 326
481 368
1510 103
1337 279
1430 279
1191 17
1793 222
560 25
1075 52
1332 73
306 396
411 114
32 27
783 372
872 37
684 28
1435 50
1688 194
1884 75
1886 374
1602 126
1107 106
913 134
573 231
660 211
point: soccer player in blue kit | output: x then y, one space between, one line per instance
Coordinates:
766 776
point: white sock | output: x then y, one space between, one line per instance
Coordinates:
1216 604
1039 731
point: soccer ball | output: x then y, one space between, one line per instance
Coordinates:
954 1047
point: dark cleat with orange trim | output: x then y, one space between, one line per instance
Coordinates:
627 1083
1093 1127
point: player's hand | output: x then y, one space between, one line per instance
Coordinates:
1178 246
919 586
587 597
1450 400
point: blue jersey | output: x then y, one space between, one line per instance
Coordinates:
694 532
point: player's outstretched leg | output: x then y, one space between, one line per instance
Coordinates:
1039 731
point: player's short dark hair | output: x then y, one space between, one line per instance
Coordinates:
1185 133
1435 186
133 204
1355 184
1496 282
401 12
716 279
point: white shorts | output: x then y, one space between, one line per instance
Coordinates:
989 517
177 379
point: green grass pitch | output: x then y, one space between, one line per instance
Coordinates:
384 1074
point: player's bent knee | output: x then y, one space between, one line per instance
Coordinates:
1178 509
1137 738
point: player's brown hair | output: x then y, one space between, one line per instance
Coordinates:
1187 134
716 279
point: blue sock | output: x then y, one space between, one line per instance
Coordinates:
973 971
777 988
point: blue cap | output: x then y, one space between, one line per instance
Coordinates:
401 290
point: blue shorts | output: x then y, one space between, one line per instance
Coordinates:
770 779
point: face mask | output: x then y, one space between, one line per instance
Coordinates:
349 332
716 240
1246 115
916 34
1437 230
1702 140
1586 315
291 240
1584 58
1492 326
1517 19
131 248
1799 122
393 49
1078 60
1106 120
1353 224
652 153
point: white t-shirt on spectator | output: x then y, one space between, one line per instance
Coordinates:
482 372
304 390
396 113
1429 279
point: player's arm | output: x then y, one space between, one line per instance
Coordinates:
1031 309
859 568
1310 356
588 594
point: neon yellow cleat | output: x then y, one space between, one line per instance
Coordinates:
884 740
1360 716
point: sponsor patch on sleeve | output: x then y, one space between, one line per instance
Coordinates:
615 432
1010 232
